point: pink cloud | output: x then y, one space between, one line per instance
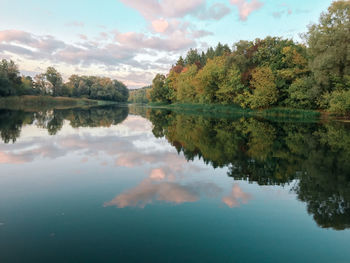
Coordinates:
16 36
157 174
178 40
245 8
11 158
147 192
236 195
160 25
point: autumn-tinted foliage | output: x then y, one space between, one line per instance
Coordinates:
269 72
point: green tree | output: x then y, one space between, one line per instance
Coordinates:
329 45
264 91
186 90
159 91
55 78
10 80
192 57
42 85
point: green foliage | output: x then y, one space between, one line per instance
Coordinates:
255 74
51 83
301 93
270 72
186 91
329 44
192 57
55 79
264 92
10 81
139 95
159 92
209 79
339 102
97 88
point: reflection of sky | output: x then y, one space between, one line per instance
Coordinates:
120 187
168 176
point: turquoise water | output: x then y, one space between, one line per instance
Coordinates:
138 185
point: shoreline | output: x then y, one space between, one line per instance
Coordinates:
30 102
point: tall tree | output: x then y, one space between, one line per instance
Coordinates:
329 45
10 80
55 78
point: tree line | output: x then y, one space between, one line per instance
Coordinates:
268 72
139 95
50 83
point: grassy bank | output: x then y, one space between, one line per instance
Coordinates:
46 102
234 110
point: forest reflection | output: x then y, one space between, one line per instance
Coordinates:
271 153
12 121
267 152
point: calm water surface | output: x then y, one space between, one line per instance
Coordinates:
138 185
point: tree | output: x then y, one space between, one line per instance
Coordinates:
264 92
209 79
42 85
329 45
10 80
192 57
180 62
159 92
231 86
186 90
55 78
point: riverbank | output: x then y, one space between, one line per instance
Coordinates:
47 102
234 110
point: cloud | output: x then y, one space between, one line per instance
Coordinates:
155 9
237 195
177 41
245 8
217 11
122 51
157 174
201 33
147 192
160 25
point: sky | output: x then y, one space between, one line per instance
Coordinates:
132 40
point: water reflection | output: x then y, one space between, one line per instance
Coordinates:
266 152
236 196
271 153
172 192
11 121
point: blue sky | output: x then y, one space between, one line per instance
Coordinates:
132 40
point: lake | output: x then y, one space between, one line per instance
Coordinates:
135 184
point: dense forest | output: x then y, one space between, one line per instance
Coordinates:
269 72
51 83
